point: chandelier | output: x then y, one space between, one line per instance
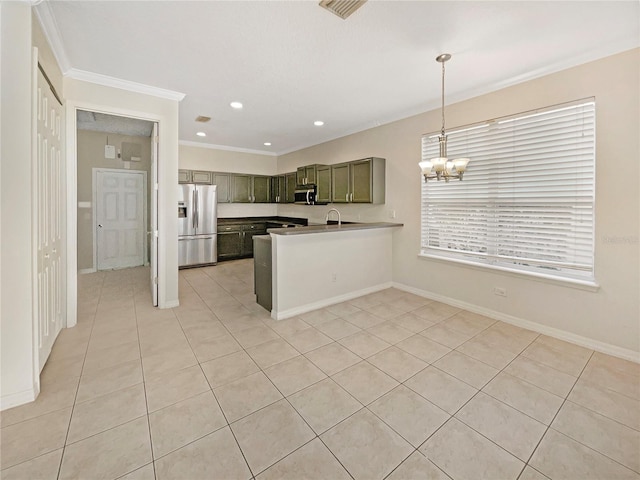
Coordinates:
441 167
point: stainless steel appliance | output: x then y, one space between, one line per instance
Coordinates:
197 225
305 195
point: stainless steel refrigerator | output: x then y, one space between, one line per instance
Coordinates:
197 225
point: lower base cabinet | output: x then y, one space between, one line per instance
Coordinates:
236 241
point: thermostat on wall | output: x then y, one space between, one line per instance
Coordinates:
109 151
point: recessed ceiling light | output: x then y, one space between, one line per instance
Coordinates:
318 123
237 105
267 144
201 134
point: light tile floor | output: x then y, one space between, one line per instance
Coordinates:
389 385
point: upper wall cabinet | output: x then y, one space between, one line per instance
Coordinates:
279 189
184 176
290 187
250 188
194 176
198 176
323 183
360 181
223 182
307 174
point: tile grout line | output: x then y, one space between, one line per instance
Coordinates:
75 398
287 400
215 396
564 400
144 387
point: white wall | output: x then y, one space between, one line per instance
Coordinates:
98 98
217 160
608 319
18 380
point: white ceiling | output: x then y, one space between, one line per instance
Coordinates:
292 62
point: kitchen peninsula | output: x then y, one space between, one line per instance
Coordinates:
319 265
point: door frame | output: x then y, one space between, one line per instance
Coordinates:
71 144
94 194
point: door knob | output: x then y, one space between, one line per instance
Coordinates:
100 225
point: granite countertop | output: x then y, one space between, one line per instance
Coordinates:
331 228
275 219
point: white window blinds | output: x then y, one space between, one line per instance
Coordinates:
527 198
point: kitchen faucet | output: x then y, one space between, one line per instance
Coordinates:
333 210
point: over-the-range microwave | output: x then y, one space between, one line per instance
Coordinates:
305 195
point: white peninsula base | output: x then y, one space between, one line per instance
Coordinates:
314 268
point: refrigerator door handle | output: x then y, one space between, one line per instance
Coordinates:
197 210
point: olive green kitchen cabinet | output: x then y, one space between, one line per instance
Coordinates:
323 183
260 189
308 174
248 231
184 176
229 242
250 188
195 176
223 183
278 189
236 240
291 187
360 181
240 188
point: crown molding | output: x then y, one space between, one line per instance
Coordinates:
108 81
45 16
211 146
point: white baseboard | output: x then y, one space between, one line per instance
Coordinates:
19 398
172 304
590 343
292 312
86 270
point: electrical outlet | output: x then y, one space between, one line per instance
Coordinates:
392 214
500 291
334 277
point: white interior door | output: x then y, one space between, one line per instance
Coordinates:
48 176
120 218
153 221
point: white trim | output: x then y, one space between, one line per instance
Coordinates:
113 82
590 343
35 294
188 143
72 214
19 398
120 171
292 312
86 270
172 304
540 277
52 33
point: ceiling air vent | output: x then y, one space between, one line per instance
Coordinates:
202 119
342 8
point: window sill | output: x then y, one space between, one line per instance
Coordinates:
565 282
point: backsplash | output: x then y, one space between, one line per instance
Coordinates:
227 210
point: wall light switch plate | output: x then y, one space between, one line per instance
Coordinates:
109 151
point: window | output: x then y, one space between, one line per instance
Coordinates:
527 198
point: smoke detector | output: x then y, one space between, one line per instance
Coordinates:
203 119
342 8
